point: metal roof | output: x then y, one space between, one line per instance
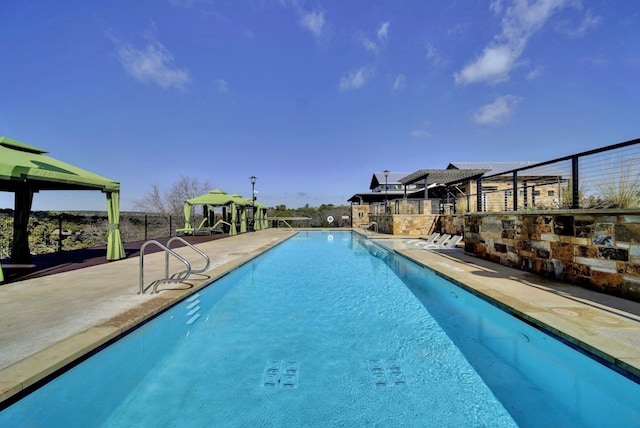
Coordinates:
492 167
392 178
442 176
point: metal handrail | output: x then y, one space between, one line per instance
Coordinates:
285 222
167 278
196 249
373 223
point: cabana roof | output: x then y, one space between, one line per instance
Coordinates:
25 165
26 169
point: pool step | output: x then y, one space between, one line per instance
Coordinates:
193 308
281 374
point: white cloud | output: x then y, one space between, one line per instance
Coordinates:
223 86
434 56
500 110
368 44
356 79
588 22
534 74
493 66
314 22
420 133
153 63
521 19
399 83
383 31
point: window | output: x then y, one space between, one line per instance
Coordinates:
550 193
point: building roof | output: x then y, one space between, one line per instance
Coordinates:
443 176
392 178
528 168
491 167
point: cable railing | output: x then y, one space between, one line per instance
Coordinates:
607 177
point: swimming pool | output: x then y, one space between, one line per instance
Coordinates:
329 329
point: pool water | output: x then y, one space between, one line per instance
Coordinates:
329 329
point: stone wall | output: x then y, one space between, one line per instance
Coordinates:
407 224
595 249
452 224
360 216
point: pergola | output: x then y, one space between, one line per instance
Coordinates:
26 169
218 198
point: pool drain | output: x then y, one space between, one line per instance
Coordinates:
386 373
281 374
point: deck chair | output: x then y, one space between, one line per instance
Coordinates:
205 230
438 242
449 245
191 230
428 241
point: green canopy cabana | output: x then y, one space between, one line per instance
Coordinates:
240 204
214 198
261 216
26 169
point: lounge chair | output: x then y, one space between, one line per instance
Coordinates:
450 244
203 229
437 241
430 240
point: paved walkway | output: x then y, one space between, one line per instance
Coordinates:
47 322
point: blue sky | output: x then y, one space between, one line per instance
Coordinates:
311 97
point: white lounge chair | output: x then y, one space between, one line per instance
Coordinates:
439 241
448 245
430 240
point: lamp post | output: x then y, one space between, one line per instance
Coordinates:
386 191
253 179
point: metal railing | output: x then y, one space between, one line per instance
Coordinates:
607 177
180 276
373 223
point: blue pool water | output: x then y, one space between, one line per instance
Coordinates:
329 329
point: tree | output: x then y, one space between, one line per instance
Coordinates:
171 202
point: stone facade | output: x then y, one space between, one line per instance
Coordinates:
407 225
360 216
595 249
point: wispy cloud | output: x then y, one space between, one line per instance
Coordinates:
382 35
383 31
534 74
368 44
520 20
223 86
356 79
434 56
152 63
499 111
421 132
399 83
588 22
314 22
311 20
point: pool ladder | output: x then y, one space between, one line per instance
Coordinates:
177 277
373 223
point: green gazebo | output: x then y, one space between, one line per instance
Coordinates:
25 170
214 198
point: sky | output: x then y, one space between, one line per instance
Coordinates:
311 97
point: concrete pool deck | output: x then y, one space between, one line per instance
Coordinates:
48 322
